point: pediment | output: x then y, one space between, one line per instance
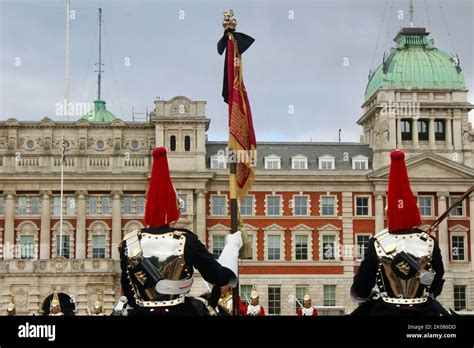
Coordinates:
430 166
47 122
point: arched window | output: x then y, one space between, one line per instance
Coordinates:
187 143
173 143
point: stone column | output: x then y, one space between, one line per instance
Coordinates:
471 227
449 135
9 231
201 215
116 222
45 234
399 133
379 212
443 230
432 133
415 131
81 235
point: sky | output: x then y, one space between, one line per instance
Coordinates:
305 74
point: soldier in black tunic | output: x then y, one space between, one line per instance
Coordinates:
157 262
403 262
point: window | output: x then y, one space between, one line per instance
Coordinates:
329 247
218 161
28 205
300 205
426 206
423 130
21 205
460 297
328 205
183 202
30 144
299 162
187 143
246 207
329 295
218 205
140 205
98 247
360 164
100 145
362 206
173 143
70 206
218 242
274 300
326 162
135 145
459 209
27 247
93 206
245 291
274 247
362 245
272 162
63 249
273 205
300 292
458 248
2 205
440 133
250 257
406 131
105 205
301 247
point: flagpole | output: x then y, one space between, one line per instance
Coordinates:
233 227
61 198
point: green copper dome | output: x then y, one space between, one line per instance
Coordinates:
416 63
99 113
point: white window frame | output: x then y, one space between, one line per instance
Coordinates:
302 230
133 204
329 230
216 230
273 159
369 206
334 286
300 159
459 231
253 206
68 230
361 256
321 204
360 159
463 205
308 204
219 159
211 204
98 228
274 230
27 228
432 204
28 205
281 204
326 159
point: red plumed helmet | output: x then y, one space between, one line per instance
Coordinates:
402 212
161 202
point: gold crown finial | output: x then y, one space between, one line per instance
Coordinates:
229 21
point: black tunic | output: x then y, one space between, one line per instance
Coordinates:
365 280
196 255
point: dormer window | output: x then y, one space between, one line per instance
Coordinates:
360 162
218 161
326 162
272 162
299 162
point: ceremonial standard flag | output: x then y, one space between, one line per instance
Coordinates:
242 142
